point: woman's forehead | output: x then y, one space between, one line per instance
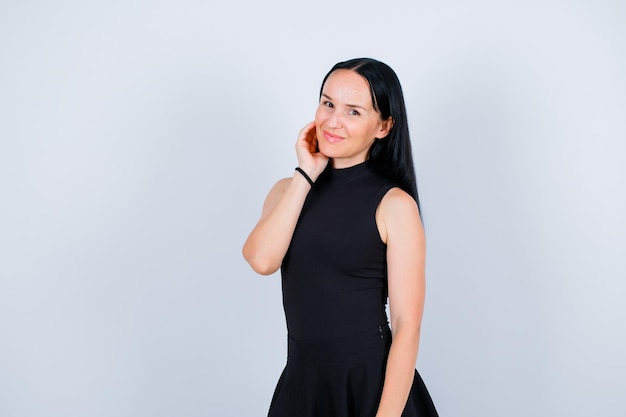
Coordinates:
348 87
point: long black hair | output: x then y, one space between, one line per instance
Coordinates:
391 156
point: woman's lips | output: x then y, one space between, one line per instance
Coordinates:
332 138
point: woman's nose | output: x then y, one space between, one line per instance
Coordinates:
335 120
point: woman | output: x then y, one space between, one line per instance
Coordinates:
346 233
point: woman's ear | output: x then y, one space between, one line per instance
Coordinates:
385 128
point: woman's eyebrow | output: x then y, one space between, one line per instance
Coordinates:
348 105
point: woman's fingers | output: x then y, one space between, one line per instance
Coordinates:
305 147
308 136
306 150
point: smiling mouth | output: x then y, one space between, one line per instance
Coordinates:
332 138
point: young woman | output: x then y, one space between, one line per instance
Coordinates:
346 233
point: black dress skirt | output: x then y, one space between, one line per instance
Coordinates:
341 377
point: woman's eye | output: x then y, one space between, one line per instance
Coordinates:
328 104
354 112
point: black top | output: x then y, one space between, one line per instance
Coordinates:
334 274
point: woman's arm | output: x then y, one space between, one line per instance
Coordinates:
268 242
401 228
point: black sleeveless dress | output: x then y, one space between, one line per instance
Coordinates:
334 282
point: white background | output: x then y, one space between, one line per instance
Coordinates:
138 140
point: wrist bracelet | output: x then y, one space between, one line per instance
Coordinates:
301 171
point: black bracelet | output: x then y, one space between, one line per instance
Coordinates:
301 171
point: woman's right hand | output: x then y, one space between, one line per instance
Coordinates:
310 159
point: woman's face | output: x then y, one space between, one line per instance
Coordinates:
346 122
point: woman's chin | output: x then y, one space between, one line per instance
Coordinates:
326 150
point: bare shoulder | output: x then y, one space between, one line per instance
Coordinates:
275 194
398 201
397 213
281 185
